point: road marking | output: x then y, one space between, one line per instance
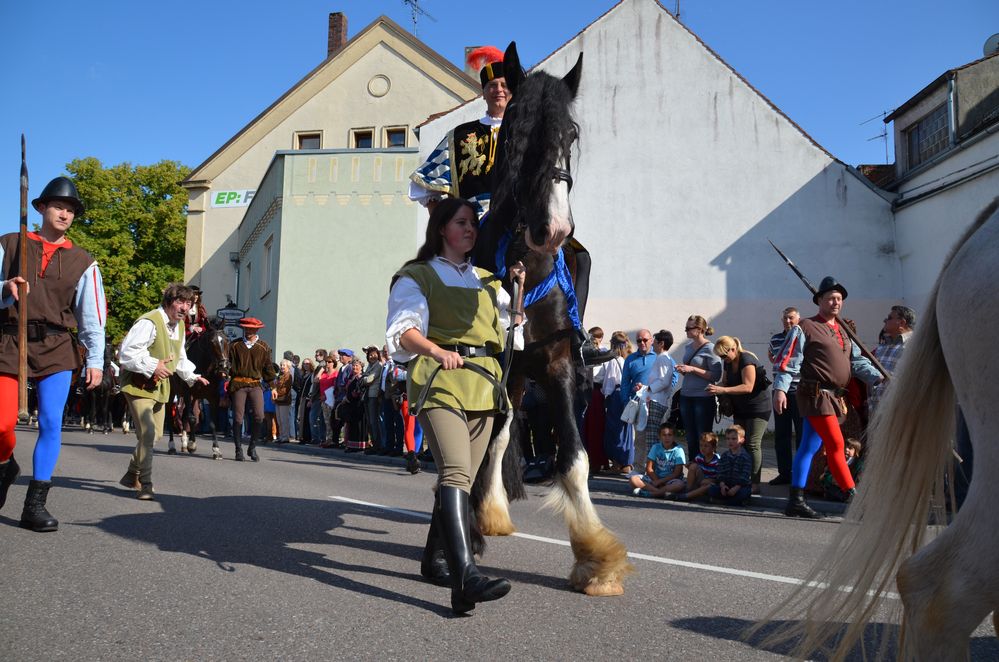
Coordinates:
634 555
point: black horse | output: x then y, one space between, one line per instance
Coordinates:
96 403
530 215
209 352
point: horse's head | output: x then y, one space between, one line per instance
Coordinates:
533 177
218 344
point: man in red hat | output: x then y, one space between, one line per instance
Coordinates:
461 165
65 290
251 361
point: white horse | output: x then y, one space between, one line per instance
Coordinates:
949 586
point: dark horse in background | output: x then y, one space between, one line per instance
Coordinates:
209 352
530 214
96 403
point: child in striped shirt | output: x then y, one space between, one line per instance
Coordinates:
702 471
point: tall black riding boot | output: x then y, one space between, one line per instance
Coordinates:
256 434
798 507
433 566
468 585
34 516
9 471
237 437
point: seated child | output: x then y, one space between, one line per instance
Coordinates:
852 450
702 472
664 468
735 469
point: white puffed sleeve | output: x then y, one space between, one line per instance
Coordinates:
407 309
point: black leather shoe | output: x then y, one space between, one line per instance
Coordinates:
468 585
433 565
35 516
146 492
798 507
9 471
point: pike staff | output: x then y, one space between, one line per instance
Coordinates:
22 297
846 327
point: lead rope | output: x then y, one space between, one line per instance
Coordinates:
504 404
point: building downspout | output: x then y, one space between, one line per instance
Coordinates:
952 110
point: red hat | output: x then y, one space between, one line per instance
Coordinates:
251 323
488 60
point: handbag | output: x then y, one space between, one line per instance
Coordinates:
630 413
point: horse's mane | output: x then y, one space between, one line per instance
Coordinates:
537 132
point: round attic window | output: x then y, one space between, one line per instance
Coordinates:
379 85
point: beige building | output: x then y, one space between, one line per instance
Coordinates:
337 149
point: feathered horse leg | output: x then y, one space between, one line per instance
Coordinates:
601 560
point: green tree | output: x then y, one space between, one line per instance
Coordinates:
134 226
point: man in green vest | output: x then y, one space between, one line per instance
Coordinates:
151 352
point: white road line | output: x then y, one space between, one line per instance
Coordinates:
634 555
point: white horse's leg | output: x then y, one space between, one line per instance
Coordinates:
949 587
601 559
183 441
494 511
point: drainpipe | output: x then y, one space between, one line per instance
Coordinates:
952 110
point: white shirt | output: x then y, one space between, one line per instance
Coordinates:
134 353
408 309
612 377
661 380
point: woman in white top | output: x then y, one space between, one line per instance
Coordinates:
663 379
619 444
444 312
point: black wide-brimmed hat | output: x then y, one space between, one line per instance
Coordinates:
60 188
827 285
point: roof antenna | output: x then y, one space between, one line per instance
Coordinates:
884 131
417 11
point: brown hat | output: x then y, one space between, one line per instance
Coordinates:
251 323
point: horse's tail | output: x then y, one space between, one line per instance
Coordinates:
910 446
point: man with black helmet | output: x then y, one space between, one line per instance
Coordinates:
821 352
65 290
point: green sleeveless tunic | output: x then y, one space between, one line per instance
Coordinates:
141 386
458 315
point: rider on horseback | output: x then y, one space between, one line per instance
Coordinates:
472 146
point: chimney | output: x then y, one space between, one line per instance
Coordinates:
472 72
337 34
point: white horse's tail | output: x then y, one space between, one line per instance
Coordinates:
909 448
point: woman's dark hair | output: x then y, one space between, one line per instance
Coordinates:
665 337
439 217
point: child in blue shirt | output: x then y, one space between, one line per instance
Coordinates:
735 470
664 468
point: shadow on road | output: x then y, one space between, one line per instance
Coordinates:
876 634
267 532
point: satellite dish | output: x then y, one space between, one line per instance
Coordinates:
991 45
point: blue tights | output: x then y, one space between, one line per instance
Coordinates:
52 393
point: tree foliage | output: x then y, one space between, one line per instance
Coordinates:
134 226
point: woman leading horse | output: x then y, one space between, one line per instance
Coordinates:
446 315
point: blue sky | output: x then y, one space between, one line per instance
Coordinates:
140 82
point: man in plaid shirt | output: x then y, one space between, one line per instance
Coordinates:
897 330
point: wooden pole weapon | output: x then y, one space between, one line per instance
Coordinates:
22 297
845 327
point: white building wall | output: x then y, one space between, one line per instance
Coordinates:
335 109
955 190
684 172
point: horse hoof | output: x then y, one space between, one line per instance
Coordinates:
191 448
604 589
171 451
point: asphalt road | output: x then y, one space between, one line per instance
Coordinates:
313 555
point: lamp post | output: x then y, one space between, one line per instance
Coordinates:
230 314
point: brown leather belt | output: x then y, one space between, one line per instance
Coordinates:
246 380
811 388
